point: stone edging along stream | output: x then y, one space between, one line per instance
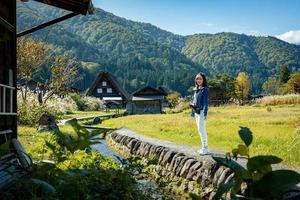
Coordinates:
183 174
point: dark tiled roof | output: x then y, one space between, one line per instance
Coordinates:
148 90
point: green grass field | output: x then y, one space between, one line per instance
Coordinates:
276 131
34 141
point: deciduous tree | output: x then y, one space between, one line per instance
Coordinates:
242 87
30 56
293 83
64 73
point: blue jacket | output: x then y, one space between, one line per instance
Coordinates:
201 100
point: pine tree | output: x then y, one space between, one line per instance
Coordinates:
270 86
284 74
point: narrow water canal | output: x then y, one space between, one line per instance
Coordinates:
148 187
106 150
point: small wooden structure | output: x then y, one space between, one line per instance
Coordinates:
217 97
109 105
147 100
107 88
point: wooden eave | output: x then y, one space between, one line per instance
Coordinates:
75 6
78 6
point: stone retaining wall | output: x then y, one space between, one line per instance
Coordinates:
182 173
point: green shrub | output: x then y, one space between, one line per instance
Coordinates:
78 100
30 113
259 178
80 174
85 103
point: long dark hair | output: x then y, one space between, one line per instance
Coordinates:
204 84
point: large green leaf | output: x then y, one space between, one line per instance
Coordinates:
275 183
246 135
257 162
261 165
237 168
223 188
83 139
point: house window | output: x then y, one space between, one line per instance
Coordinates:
109 90
104 83
99 90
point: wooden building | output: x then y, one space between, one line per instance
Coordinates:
107 88
14 162
147 100
8 110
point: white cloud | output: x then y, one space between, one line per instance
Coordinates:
207 24
290 37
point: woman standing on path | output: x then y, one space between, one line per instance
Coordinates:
200 108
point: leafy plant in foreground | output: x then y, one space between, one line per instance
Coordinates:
261 181
81 141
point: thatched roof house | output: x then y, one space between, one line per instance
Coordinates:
107 88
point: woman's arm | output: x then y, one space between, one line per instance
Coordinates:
205 101
193 103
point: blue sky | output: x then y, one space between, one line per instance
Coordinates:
185 17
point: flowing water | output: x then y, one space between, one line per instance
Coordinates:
148 187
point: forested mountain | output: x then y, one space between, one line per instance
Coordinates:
260 57
140 54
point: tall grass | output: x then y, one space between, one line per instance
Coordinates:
30 110
279 100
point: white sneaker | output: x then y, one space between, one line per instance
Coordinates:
203 151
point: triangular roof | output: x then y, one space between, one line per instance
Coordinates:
112 80
163 89
148 90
